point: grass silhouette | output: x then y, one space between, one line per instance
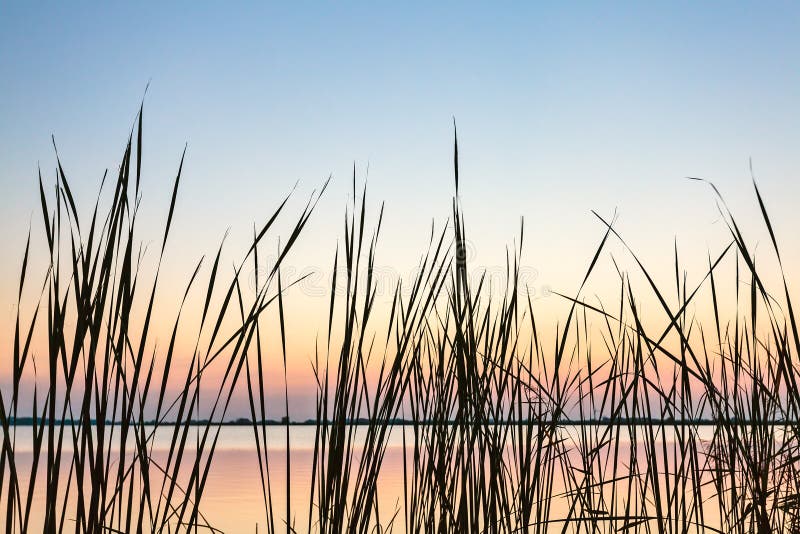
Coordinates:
485 409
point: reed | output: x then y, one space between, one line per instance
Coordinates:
91 449
604 424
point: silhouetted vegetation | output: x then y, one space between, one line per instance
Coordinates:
594 431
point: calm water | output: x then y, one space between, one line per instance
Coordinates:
233 499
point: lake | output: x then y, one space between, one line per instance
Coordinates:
233 500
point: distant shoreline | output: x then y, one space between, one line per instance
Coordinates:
29 421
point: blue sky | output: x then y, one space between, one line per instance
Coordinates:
561 109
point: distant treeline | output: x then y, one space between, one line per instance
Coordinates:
243 421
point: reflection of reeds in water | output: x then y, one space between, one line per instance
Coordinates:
489 443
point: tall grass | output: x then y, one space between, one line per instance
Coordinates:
606 424
91 448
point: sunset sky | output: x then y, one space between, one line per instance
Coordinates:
559 112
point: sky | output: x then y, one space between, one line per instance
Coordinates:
561 109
